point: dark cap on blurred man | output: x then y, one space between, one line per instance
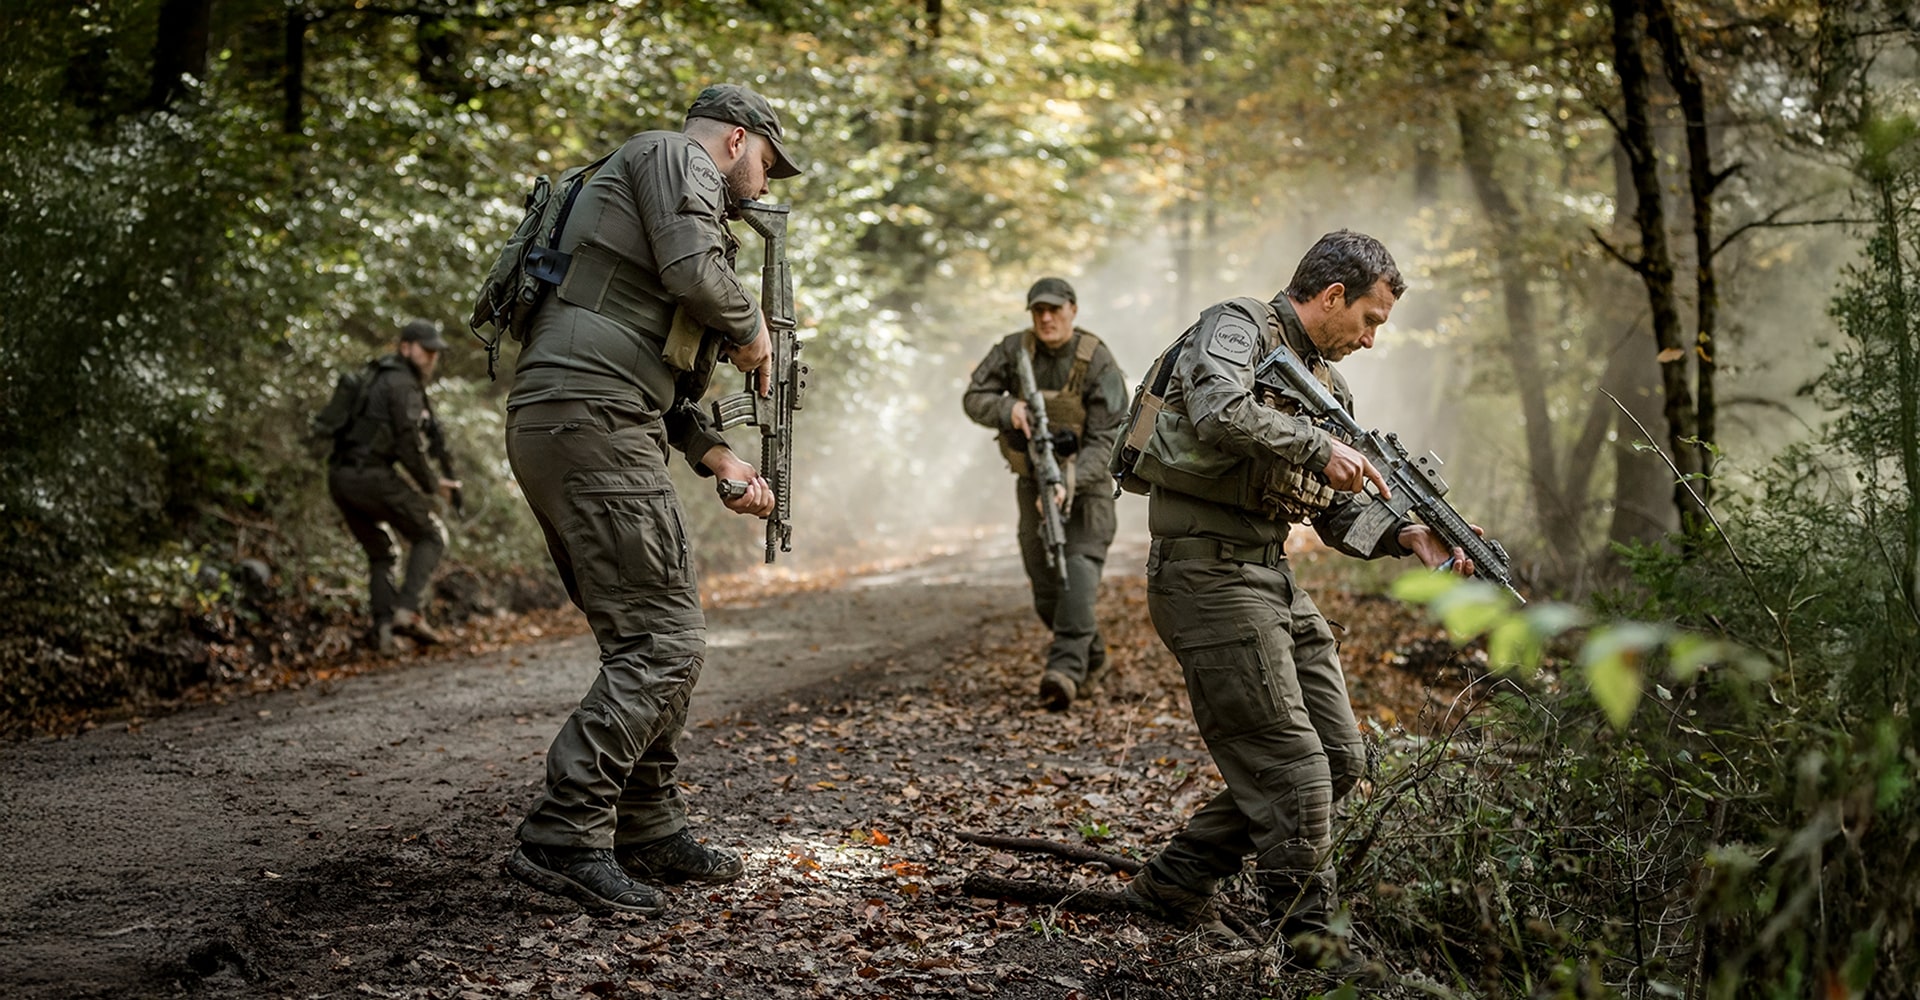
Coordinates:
736 105
1051 292
423 332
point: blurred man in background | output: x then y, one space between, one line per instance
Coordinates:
1086 399
392 423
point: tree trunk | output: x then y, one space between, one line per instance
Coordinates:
293 81
1701 183
179 50
1186 223
1655 262
919 123
1550 506
439 45
1643 512
1909 395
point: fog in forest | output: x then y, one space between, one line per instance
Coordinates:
919 474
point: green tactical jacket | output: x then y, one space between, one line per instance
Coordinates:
648 235
396 424
1218 442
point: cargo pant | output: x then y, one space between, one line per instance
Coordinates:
1077 646
595 474
371 496
1263 674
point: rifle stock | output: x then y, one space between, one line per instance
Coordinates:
1418 490
1045 466
772 413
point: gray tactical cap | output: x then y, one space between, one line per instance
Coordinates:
737 105
1051 291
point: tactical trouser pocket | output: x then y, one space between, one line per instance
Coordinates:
630 551
1227 683
638 525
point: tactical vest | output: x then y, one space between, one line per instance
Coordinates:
1066 408
1173 457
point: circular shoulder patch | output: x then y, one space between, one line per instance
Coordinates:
1232 339
702 175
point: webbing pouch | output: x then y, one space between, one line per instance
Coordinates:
587 276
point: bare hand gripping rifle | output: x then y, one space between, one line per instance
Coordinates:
1046 468
1417 487
772 413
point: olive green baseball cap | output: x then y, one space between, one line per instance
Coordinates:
737 105
1052 292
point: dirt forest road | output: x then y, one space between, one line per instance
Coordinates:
344 839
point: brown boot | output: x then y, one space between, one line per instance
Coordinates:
1057 690
1188 909
413 626
1096 668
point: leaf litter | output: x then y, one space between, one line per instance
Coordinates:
847 800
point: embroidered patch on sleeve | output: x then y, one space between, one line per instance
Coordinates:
704 176
1232 340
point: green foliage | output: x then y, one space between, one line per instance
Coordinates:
1727 833
200 272
1611 657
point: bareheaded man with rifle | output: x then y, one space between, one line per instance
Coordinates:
1056 396
1231 465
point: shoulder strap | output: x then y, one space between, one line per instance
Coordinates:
1082 359
568 179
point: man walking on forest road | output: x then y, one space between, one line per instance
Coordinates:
392 422
1231 473
594 407
1086 399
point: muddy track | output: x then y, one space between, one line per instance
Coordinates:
344 839
181 851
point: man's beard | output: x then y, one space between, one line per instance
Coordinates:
739 187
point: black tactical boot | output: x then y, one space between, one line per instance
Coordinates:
1299 909
588 876
1188 909
1298 902
678 857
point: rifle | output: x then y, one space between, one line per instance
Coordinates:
1417 487
1046 468
772 413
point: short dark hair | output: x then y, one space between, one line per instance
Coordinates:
1355 260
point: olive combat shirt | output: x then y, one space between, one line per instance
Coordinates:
648 233
1213 384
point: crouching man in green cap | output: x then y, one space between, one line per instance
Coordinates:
595 406
1086 399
